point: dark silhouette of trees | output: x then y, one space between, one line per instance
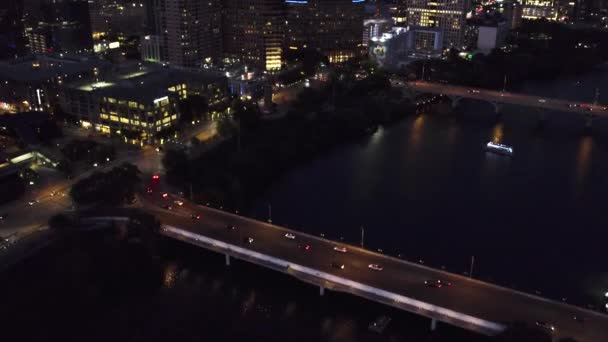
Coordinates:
115 187
193 107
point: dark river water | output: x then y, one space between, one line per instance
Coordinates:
426 189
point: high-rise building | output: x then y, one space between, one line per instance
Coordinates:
64 26
253 32
540 9
188 30
334 27
12 41
447 16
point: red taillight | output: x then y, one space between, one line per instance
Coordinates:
307 248
165 195
156 177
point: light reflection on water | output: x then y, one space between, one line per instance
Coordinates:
583 159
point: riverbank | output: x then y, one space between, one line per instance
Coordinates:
239 169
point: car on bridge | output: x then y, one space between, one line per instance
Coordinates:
196 216
337 265
546 326
437 283
340 249
248 240
290 236
230 227
375 267
305 247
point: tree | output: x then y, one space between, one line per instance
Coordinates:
115 187
177 165
63 226
192 108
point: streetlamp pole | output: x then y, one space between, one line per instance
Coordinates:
504 84
423 65
472 265
362 237
269 213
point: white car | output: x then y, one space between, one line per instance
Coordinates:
32 202
542 100
178 202
546 326
290 236
375 267
340 249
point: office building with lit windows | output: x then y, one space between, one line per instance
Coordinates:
253 32
438 17
188 31
61 26
333 27
138 102
540 9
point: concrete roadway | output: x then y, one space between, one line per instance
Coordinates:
469 296
509 98
52 197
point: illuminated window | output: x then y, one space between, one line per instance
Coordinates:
114 118
124 120
103 116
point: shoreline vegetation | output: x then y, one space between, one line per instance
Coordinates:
256 152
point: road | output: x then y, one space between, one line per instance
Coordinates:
509 98
52 197
466 295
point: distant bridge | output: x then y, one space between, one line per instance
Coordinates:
499 98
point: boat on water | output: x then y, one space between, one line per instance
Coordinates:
499 148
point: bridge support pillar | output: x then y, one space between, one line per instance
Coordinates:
497 108
455 101
433 324
588 124
321 290
227 260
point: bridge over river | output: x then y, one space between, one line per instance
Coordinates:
468 303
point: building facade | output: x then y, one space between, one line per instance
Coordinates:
64 26
142 101
540 9
188 31
446 16
333 27
253 32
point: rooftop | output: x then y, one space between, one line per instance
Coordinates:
42 68
143 82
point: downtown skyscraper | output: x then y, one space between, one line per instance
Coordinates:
333 27
188 32
253 32
445 18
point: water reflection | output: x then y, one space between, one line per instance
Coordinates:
170 275
416 133
583 159
497 133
